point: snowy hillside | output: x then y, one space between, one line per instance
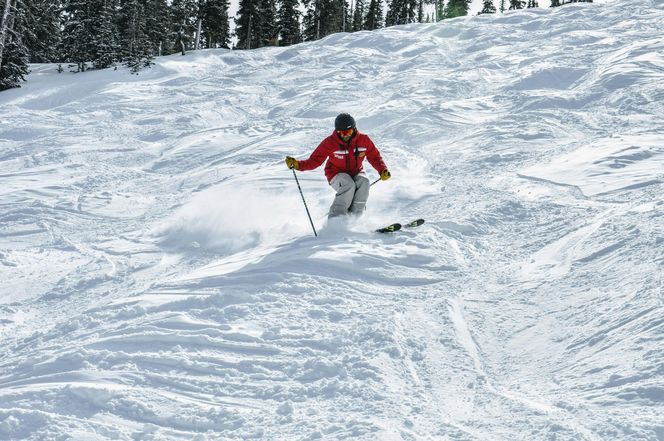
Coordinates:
160 279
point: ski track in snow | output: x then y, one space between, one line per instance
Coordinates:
160 280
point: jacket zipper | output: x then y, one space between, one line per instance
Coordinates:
347 157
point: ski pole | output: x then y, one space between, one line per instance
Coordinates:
374 182
305 202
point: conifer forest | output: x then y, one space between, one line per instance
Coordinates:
78 35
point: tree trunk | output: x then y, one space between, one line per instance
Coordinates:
4 27
198 34
343 22
249 33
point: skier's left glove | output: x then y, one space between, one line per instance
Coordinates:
292 163
385 175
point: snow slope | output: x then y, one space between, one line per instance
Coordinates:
160 279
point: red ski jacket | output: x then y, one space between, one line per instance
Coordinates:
344 157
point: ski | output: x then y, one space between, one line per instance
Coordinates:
390 228
415 223
397 226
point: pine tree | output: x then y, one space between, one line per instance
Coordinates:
215 26
311 21
324 17
104 47
267 29
256 24
401 12
532 4
555 3
89 34
14 64
7 12
357 22
348 16
137 49
157 25
246 23
488 7
456 8
288 22
374 17
183 14
76 33
502 6
517 4
13 52
332 16
42 36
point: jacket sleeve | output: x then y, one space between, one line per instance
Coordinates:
318 156
373 156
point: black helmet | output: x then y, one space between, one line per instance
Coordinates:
344 122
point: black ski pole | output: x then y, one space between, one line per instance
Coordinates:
305 202
374 182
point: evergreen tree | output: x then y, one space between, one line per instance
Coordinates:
488 7
532 4
333 16
401 12
13 52
7 13
555 3
256 24
288 22
267 29
14 64
76 33
324 17
157 25
89 33
246 23
348 17
456 8
42 37
104 47
502 6
215 26
184 17
137 49
374 17
311 21
357 22
517 4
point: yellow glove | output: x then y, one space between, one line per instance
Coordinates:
385 175
292 163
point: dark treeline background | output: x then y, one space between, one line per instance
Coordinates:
84 34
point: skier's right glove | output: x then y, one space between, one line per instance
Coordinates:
292 163
385 175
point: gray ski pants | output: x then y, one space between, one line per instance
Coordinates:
352 194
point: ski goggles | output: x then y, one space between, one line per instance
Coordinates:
345 133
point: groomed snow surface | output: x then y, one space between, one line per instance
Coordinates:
160 279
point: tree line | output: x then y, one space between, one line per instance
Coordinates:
84 34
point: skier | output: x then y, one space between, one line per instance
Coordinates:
345 150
